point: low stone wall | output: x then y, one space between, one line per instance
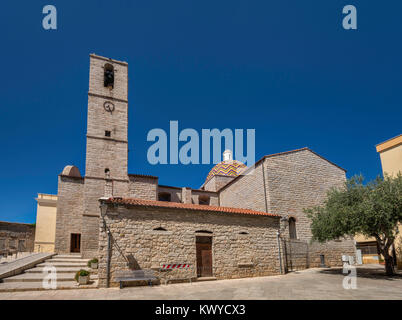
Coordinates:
242 245
332 251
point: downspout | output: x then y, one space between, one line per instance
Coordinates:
278 234
103 209
107 253
108 260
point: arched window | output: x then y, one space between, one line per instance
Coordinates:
164 196
108 76
204 200
292 228
107 173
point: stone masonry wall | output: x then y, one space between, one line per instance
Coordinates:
213 197
69 211
245 192
235 255
16 236
142 187
299 180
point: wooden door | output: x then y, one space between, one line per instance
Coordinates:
75 242
204 257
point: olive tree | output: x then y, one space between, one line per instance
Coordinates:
373 209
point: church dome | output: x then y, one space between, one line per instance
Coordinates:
228 167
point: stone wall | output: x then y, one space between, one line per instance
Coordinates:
235 255
143 187
70 208
213 197
217 182
16 237
175 193
245 191
299 180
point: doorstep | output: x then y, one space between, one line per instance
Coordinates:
206 278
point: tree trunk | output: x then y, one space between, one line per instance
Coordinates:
389 264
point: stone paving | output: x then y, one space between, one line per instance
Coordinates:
308 284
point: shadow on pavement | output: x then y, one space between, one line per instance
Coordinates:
371 272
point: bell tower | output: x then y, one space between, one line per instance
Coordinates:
106 155
107 146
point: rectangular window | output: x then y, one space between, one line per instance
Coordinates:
108 133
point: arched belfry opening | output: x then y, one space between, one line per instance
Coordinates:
292 228
108 76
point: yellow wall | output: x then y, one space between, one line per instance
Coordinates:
45 222
391 162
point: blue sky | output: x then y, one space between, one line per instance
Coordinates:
286 68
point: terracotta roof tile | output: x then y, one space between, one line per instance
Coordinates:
187 206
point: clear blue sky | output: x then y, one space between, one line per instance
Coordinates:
286 68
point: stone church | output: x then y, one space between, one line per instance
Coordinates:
234 225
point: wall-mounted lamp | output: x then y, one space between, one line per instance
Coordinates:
103 206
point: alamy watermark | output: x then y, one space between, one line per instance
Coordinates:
50 277
350 280
197 147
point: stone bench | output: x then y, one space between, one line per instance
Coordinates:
135 275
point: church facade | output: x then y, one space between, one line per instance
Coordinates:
234 225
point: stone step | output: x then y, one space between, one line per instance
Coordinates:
68 256
206 278
59 269
63 265
36 286
67 260
38 277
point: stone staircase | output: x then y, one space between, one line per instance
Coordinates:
66 267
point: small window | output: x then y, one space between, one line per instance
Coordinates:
292 228
108 76
107 173
204 231
160 229
107 133
203 200
164 196
11 244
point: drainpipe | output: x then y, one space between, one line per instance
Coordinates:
108 259
278 234
103 210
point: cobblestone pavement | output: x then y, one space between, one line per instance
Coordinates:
307 284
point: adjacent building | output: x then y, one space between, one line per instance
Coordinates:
16 237
390 152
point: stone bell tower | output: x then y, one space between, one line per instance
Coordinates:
107 148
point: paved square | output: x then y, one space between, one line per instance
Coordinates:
307 284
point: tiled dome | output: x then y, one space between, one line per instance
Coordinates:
227 167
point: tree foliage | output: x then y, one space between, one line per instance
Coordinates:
373 210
